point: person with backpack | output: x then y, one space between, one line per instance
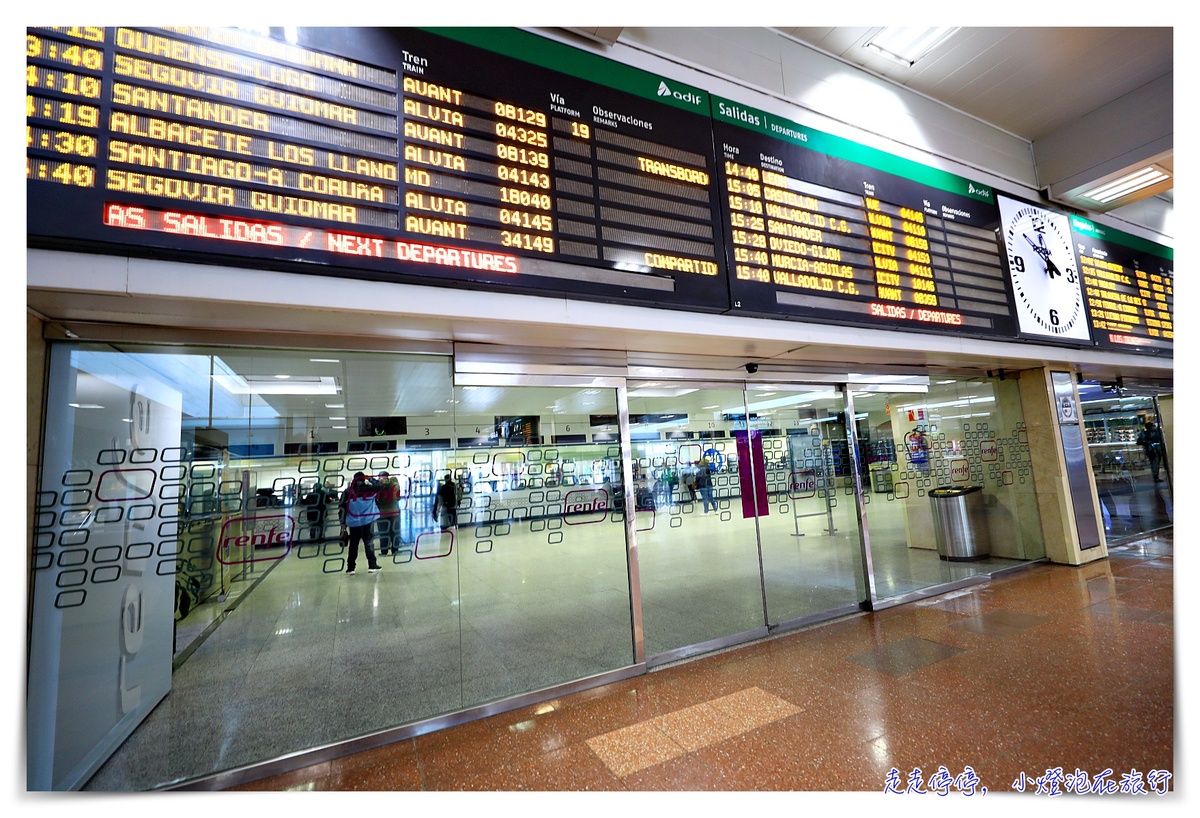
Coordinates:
359 513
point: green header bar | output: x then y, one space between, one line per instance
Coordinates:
539 51
776 127
1108 234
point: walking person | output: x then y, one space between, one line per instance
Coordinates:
1151 441
359 513
445 504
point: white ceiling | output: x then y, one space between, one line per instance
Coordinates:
1033 83
1027 81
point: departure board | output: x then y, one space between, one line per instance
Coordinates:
1128 286
487 157
823 229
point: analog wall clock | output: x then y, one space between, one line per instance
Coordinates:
1043 269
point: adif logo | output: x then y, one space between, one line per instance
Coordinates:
977 191
665 91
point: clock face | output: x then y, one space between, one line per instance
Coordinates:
1043 270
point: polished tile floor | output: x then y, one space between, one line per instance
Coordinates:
1052 667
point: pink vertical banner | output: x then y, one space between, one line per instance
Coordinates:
750 457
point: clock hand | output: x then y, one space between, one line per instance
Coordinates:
1041 249
1037 248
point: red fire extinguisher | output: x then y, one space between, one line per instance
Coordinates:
917 444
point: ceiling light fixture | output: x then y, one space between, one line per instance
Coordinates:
906 44
1129 183
268 385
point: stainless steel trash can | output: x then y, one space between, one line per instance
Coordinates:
960 523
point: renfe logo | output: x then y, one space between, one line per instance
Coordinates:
255 534
988 451
585 506
960 470
803 485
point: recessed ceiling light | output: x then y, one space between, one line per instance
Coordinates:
324 360
85 406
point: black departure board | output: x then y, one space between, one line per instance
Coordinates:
487 156
496 159
1128 288
827 230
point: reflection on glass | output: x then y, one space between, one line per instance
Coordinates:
962 433
233 496
697 540
811 549
541 538
1130 462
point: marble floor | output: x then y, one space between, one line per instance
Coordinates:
979 691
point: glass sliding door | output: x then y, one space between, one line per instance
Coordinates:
1130 465
696 526
811 549
539 537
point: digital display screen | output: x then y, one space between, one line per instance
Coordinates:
495 159
1128 286
395 154
826 230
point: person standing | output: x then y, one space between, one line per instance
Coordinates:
388 500
704 485
359 513
1151 441
445 504
315 512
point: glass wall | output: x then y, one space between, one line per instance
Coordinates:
1130 463
188 538
216 474
963 433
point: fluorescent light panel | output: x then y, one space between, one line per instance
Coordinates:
1130 182
906 44
268 385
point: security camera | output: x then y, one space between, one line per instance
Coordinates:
751 368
